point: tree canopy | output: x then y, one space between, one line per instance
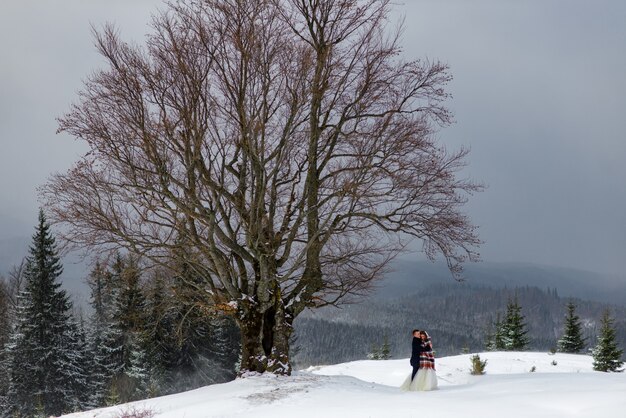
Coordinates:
284 148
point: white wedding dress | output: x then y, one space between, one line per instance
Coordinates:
425 379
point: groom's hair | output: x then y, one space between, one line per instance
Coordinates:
414 331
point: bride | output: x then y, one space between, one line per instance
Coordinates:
426 377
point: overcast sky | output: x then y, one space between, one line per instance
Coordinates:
539 96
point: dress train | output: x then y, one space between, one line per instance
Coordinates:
425 379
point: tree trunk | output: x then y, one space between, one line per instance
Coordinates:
265 340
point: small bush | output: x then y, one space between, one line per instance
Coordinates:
554 363
533 369
478 365
136 413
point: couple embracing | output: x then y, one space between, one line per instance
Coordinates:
423 376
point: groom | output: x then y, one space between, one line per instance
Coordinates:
416 349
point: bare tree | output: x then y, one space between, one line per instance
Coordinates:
282 148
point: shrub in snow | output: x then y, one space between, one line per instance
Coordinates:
136 413
478 365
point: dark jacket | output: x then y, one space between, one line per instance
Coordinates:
416 350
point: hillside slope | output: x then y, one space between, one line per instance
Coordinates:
568 388
457 316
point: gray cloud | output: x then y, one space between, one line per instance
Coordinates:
46 51
539 96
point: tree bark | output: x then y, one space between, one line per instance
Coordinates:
264 339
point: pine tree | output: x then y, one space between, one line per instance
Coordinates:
43 352
76 368
607 357
382 352
5 332
513 328
203 351
205 345
103 293
138 370
102 343
128 325
105 349
5 323
130 304
572 340
374 353
385 349
159 337
224 347
495 335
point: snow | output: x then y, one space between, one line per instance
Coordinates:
370 388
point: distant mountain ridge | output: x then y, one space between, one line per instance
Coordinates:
409 276
458 314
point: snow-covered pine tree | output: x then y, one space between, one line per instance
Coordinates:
200 350
5 323
385 349
102 343
495 340
572 340
159 336
44 374
76 368
5 332
139 369
128 325
106 349
513 328
103 292
607 357
382 352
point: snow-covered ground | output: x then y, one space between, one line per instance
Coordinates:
562 385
